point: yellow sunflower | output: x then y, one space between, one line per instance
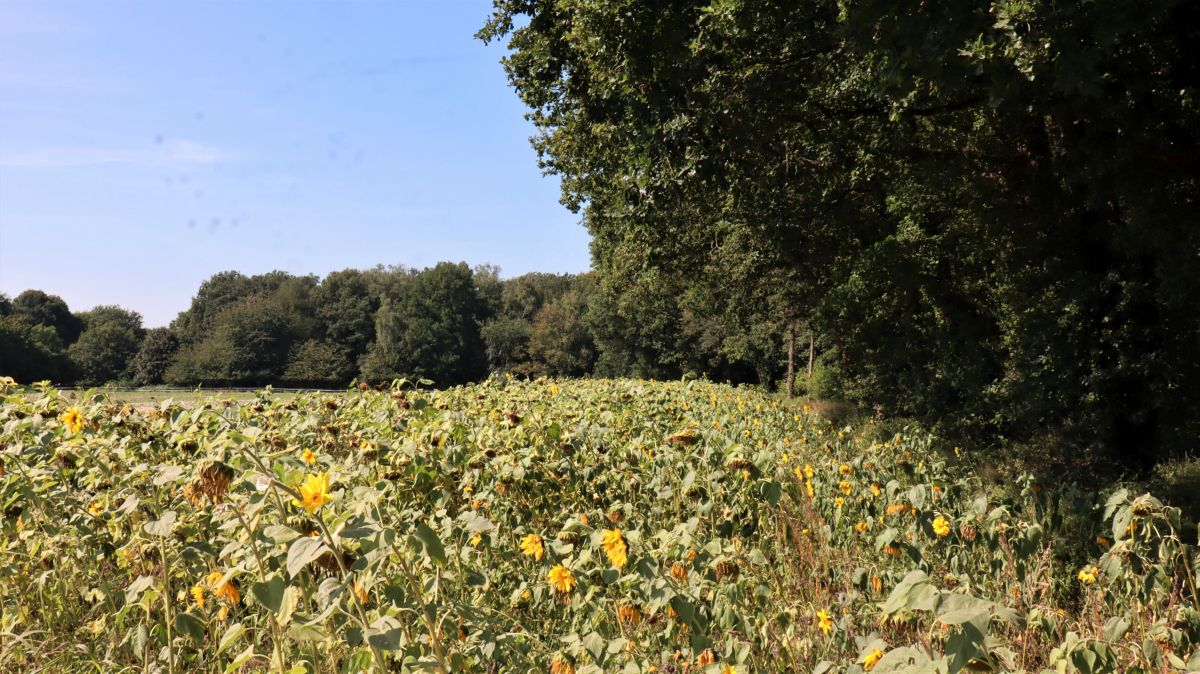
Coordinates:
614 547
314 493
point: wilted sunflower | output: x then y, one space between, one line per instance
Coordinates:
629 615
561 665
679 572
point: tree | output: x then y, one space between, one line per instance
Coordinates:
318 363
345 307
39 308
107 345
559 337
430 329
506 342
149 365
29 352
988 214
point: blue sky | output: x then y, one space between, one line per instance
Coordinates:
145 146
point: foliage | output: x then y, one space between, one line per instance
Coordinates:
986 211
318 363
149 365
108 344
430 329
30 352
547 525
39 308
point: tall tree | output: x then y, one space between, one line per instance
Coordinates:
988 212
431 329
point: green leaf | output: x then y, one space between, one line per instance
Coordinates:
242 658
270 592
281 534
162 526
432 544
595 644
1115 628
302 551
186 623
231 635
386 634
136 588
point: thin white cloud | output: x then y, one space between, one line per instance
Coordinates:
174 152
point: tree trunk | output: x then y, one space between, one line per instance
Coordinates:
791 367
811 353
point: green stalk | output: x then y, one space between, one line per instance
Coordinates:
162 547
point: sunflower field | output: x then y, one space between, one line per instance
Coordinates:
564 527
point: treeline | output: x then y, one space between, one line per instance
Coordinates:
987 213
448 323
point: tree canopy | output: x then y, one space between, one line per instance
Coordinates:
986 213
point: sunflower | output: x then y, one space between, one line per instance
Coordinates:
941 526
72 419
1088 575
614 547
871 658
197 592
531 545
309 457
561 579
629 615
679 572
845 487
561 665
314 493
226 590
824 621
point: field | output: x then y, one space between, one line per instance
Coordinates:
559 526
